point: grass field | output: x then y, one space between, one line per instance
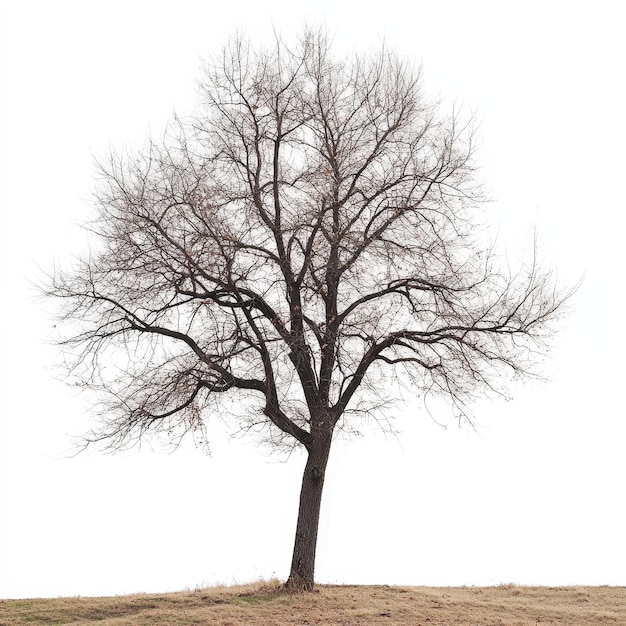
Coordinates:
264 604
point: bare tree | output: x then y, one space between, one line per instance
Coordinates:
307 236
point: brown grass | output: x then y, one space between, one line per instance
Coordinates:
264 604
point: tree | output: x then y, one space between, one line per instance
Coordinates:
309 234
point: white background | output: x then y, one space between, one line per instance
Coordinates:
535 496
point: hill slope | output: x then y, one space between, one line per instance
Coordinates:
264 604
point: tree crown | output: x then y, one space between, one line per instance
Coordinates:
308 234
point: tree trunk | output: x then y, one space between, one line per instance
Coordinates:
301 576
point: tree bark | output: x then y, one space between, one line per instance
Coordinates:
301 576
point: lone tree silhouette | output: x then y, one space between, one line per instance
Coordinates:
302 241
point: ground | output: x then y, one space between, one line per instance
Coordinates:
264 604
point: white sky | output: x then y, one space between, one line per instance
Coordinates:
536 497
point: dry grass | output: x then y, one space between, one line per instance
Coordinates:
264 604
